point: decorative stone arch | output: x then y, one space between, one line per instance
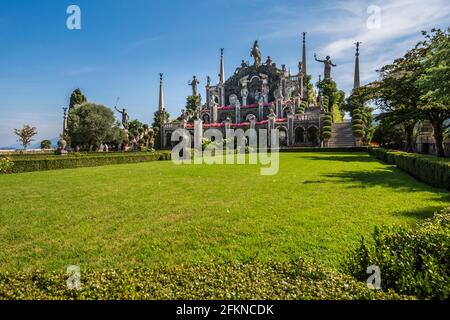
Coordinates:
224 115
313 135
300 134
246 115
168 141
283 136
284 113
205 117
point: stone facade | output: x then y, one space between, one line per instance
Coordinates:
260 96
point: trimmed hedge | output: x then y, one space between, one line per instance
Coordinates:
318 149
431 170
51 162
296 280
412 261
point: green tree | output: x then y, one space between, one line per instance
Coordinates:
90 125
25 135
329 89
434 83
76 98
192 102
160 117
46 144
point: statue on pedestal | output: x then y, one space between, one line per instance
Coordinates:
327 66
62 144
244 91
265 89
125 117
256 54
194 83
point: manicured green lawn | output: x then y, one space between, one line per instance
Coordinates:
155 213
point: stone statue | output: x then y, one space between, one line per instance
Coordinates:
208 81
265 89
194 83
125 117
244 91
269 61
256 54
327 66
62 144
272 113
244 64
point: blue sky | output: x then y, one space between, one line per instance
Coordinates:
124 44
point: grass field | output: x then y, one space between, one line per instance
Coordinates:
156 213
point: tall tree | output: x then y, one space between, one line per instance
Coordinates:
90 125
25 135
76 98
434 83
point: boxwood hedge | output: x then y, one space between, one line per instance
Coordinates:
412 261
52 162
431 170
294 280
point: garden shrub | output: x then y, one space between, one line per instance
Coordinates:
296 280
431 170
6 165
358 124
327 123
412 261
53 162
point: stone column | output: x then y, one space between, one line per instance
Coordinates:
65 120
279 108
260 111
238 112
253 123
270 127
290 132
198 137
214 113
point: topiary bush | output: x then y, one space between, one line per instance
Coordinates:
358 124
295 280
327 123
413 261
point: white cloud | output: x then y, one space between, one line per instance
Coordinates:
400 18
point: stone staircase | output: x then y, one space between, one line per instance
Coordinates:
342 136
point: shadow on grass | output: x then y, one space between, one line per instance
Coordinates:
422 213
389 177
343 158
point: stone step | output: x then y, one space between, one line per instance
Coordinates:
341 136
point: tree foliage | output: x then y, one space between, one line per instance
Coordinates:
46 144
413 88
90 125
25 135
77 98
